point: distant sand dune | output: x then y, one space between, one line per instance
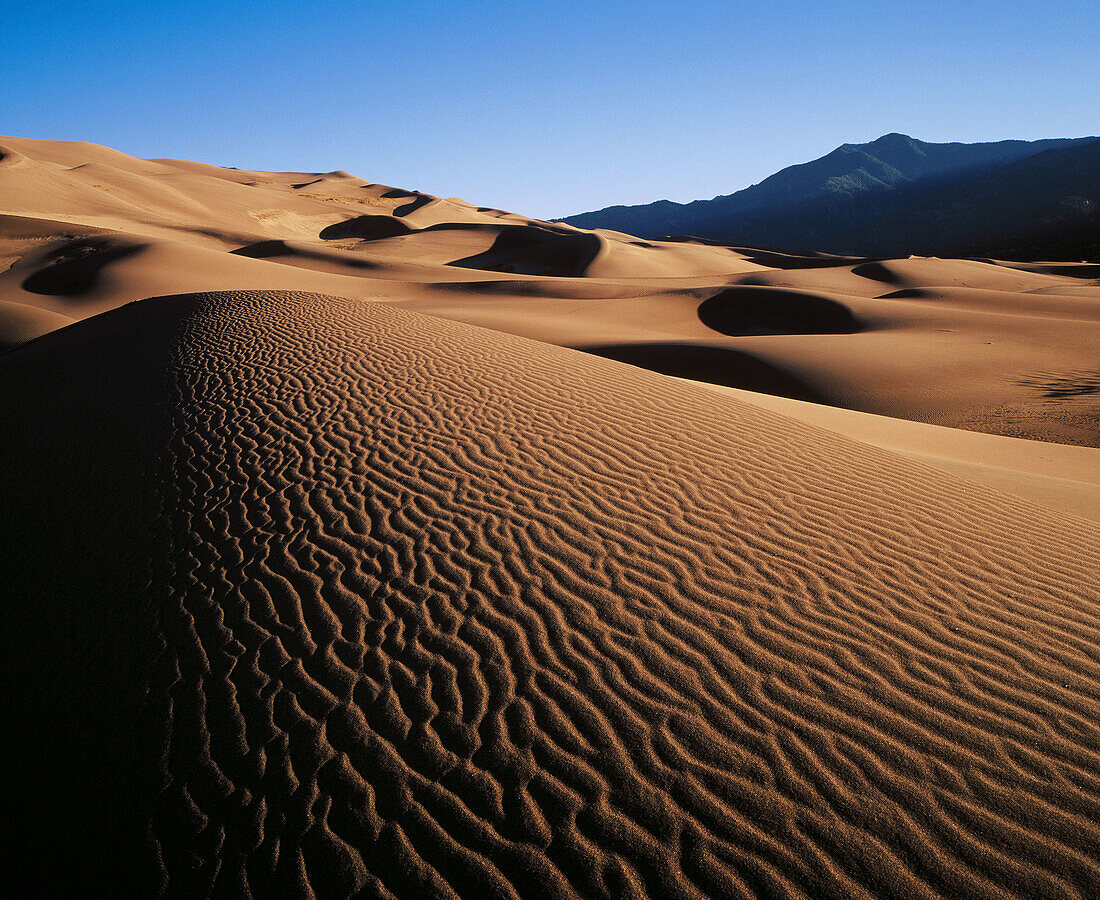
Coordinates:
366 228
336 598
536 251
20 324
949 342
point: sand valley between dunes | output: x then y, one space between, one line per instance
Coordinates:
360 542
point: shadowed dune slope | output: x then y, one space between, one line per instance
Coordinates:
75 267
435 611
716 365
756 310
367 228
531 250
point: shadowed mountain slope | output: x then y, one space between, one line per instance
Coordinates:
1044 207
849 201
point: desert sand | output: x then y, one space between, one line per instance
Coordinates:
330 575
1003 348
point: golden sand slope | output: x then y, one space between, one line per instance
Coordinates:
1061 476
314 596
1003 348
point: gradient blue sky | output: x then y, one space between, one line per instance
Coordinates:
544 108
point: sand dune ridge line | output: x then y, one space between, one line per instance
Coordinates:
446 612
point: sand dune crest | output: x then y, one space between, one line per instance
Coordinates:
421 609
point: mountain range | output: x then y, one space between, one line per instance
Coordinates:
897 196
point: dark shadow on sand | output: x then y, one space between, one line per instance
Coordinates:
716 365
75 268
530 250
746 310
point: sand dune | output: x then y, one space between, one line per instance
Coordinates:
1061 476
418 608
950 342
316 589
19 323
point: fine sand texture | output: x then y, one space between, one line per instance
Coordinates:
316 597
1014 465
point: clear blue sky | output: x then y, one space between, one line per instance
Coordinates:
546 108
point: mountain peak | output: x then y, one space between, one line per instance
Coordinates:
817 205
894 137
893 141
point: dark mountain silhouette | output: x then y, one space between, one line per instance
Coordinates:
852 200
1045 206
